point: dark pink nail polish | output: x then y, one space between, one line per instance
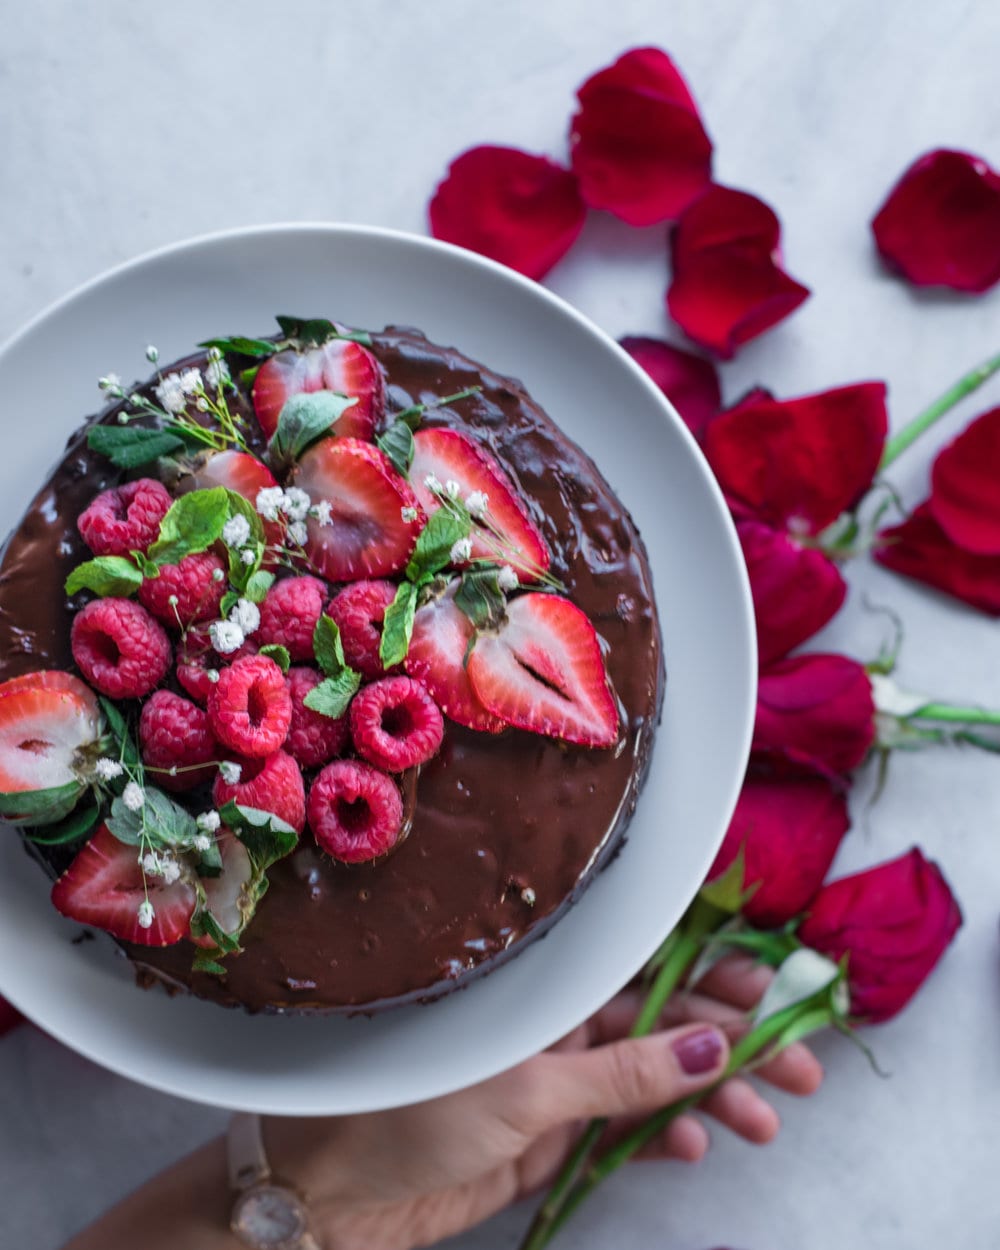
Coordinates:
699 1052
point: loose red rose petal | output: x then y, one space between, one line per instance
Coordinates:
940 225
690 382
919 548
728 285
639 147
815 710
965 487
796 590
799 463
522 210
893 921
789 832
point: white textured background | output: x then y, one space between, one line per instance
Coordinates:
123 127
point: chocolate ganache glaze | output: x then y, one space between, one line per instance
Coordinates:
505 831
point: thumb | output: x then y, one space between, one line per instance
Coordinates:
635 1076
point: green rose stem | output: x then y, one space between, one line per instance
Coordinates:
947 714
777 1031
910 432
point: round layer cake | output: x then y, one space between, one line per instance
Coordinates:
501 830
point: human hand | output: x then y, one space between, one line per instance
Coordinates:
394 1180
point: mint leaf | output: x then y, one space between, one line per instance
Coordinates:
204 924
479 596
397 443
397 625
129 446
203 962
327 646
193 523
40 807
76 826
238 345
314 332
228 601
105 575
127 752
433 550
279 654
333 695
266 837
304 419
258 584
160 820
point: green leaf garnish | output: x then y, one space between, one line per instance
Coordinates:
40 807
397 443
258 584
204 924
239 345
328 647
128 752
279 654
228 601
397 625
304 419
75 826
105 575
433 550
129 446
479 596
333 695
193 523
204 962
315 331
160 821
266 837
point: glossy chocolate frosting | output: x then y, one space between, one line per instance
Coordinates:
506 831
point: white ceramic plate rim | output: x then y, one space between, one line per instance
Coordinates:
464 1017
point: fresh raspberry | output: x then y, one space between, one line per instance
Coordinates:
197 660
271 785
289 614
395 723
249 707
119 648
175 734
313 738
192 583
355 811
359 610
126 518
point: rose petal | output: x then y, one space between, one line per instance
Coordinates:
894 921
638 145
940 225
728 285
522 210
919 548
815 710
965 487
690 382
789 831
796 590
799 463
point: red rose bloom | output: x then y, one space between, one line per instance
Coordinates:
893 921
728 285
940 225
816 711
522 210
919 548
789 831
690 382
639 148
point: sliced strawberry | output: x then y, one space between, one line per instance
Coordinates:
103 886
367 535
543 671
441 636
242 473
45 720
451 456
226 895
340 365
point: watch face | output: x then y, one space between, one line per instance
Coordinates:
269 1217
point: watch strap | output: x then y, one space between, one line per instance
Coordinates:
245 1154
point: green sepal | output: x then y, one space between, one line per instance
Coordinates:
75 826
479 596
204 962
433 550
266 837
304 419
397 444
128 752
204 924
332 696
726 891
40 807
105 575
279 654
210 861
239 345
315 331
397 625
128 446
193 523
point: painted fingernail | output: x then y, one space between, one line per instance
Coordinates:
699 1052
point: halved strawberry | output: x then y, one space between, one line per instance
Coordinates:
226 895
103 886
46 719
543 670
339 365
451 456
241 473
441 636
367 535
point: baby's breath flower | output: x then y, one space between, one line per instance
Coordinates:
133 796
246 616
212 674
461 551
111 383
298 533
201 404
170 393
236 531
217 372
107 768
209 821
171 870
231 772
190 381
152 354
145 914
248 556
408 514
507 578
226 636
433 484
218 575
453 488
322 512
477 502
268 502
296 503
201 842
164 866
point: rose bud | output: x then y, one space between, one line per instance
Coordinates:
893 922
817 711
789 831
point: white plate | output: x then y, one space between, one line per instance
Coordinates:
235 283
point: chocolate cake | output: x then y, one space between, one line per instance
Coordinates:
502 827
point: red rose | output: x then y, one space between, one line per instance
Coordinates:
690 382
893 922
815 710
789 831
940 225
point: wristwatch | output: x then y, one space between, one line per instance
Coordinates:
267 1214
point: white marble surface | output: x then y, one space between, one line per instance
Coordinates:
123 127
